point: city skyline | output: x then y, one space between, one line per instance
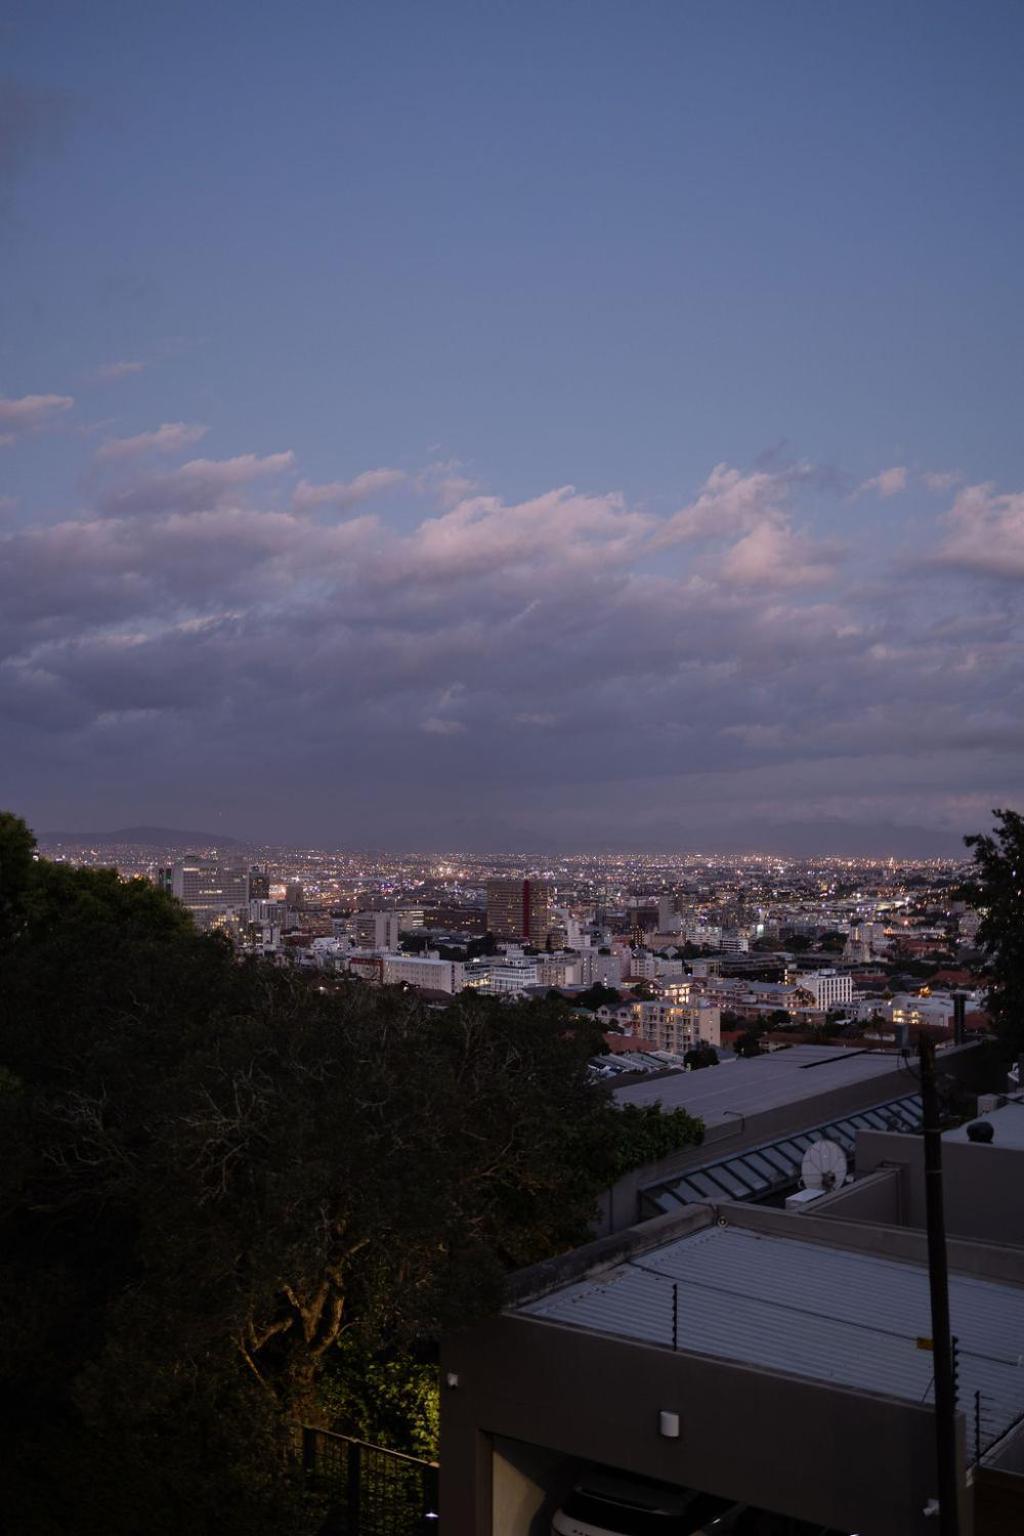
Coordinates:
497 431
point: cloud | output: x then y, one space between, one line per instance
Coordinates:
435 725
773 556
31 413
195 486
540 665
345 493
888 482
169 437
942 480
985 533
729 502
109 373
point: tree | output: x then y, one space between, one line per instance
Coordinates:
645 1134
997 890
598 996
700 1056
212 1174
16 857
749 1043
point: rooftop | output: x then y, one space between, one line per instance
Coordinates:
840 1316
1007 1127
748 1086
774 1166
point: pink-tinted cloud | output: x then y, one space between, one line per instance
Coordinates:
942 480
730 501
196 485
985 532
484 533
31 413
169 437
109 373
345 493
773 556
888 482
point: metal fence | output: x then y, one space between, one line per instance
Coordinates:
371 1491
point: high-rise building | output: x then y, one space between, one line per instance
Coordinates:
519 909
259 884
209 888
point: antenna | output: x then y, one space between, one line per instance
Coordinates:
823 1166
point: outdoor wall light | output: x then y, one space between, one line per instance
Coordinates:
451 1379
668 1425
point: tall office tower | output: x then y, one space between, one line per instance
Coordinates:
519 909
209 888
295 895
377 930
668 917
259 884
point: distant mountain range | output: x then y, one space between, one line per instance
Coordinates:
143 837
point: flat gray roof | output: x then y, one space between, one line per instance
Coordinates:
1007 1127
836 1315
747 1086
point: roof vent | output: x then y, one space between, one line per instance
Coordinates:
980 1130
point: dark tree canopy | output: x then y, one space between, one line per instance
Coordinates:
211 1171
699 1056
998 891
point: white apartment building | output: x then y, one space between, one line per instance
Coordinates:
828 989
512 977
431 975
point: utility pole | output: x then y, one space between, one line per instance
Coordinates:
938 1282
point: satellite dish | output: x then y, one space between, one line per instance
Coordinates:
823 1166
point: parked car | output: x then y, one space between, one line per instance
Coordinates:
602 1504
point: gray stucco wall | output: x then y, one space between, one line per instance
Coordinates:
983 1186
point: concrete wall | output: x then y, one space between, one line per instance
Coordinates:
989 1261
620 1206
850 1460
982 1186
878 1198
527 1485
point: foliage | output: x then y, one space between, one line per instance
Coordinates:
387 1396
749 1043
701 1056
646 1133
596 997
211 1170
16 857
998 891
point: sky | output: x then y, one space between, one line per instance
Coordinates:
557 424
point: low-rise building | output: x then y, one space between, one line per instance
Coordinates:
429 974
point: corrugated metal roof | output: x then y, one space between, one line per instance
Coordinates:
806 1309
750 1086
774 1166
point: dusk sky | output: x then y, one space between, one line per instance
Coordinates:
553 424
